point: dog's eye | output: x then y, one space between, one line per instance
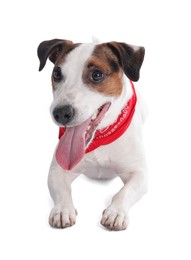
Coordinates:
97 76
57 74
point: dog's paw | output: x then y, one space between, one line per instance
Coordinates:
62 217
114 219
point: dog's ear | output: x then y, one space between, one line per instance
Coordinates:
51 49
130 58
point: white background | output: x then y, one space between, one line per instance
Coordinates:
160 223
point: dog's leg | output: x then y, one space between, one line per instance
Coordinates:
115 217
63 213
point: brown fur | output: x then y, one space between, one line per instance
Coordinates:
64 52
104 60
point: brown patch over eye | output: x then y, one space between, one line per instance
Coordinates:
102 72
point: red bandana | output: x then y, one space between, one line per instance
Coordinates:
111 133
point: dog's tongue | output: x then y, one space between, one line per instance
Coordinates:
71 147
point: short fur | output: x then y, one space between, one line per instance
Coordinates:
124 157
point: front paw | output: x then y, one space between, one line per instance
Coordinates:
62 217
114 219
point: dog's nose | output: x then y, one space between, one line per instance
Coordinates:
63 114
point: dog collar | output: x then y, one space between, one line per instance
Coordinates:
109 134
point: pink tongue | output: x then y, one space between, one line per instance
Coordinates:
71 147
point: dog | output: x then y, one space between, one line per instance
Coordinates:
100 117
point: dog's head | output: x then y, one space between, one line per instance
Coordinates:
88 80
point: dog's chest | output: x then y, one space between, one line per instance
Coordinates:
98 165
106 161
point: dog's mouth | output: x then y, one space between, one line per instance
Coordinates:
76 139
94 122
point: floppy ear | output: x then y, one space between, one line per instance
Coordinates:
51 49
130 58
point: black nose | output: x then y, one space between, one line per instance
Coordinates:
63 114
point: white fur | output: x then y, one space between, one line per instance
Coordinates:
124 158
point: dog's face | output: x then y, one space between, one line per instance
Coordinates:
87 76
87 79
89 84
83 83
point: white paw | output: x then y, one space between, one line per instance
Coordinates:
62 217
114 219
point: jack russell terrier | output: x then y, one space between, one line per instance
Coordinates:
100 118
